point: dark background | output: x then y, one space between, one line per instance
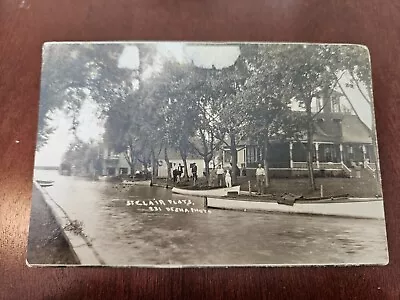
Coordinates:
26 24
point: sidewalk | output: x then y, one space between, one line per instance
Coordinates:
46 242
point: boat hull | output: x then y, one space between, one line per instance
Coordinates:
45 183
222 192
139 182
355 208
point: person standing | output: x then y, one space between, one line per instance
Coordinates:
180 169
220 176
194 173
243 171
175 174
228 179
260 176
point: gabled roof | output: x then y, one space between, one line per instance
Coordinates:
327 128
336 128
341 128
355 131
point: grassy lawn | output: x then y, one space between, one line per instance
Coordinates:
332 186
354 187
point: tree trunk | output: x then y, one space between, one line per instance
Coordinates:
130 160
154 164
132 166
310 146
234 157
166 158
207 167
376 154
373 131
185 167
266 163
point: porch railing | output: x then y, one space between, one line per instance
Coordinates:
321 165
346 169
371 167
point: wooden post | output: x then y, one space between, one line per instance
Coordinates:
364 152
317 154
249 186
291 154
245 156
322 191
341 152
205 202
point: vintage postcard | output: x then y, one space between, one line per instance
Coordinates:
183 154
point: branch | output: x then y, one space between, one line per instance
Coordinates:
196 149
331 92
222 139
359 88
127 158
348 100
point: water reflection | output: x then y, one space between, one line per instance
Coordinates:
128 235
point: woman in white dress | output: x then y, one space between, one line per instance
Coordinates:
228 179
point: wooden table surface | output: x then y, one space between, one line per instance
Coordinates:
26 24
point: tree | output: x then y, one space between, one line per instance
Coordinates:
227 85
309 69
84 156
173 91
356 62
204 141
121 130
267 96
73 72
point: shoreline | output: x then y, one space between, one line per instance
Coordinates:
47 243
77 241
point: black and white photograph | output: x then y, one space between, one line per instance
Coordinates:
198 154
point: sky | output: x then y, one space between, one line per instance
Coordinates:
91 127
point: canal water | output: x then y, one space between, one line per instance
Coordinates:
125 232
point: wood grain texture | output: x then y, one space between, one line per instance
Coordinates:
26 24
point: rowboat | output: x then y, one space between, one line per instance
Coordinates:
366 208
137 182
219 192
45 183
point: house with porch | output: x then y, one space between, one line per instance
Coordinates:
341 140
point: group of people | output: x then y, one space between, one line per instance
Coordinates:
221 177
224 177
178 172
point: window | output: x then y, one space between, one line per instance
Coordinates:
253 154
336 105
